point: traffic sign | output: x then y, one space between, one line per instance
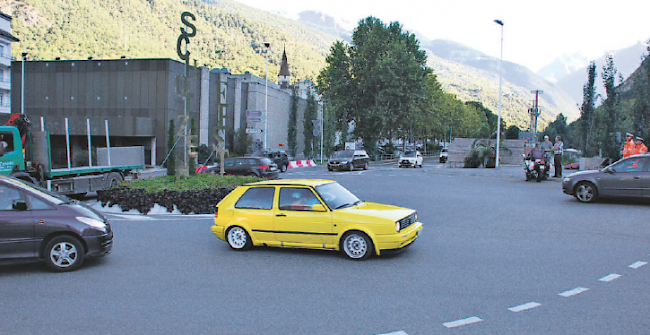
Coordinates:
253 131
253 119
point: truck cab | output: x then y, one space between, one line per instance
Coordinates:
11 151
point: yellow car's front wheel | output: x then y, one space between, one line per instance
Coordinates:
356 245
238 238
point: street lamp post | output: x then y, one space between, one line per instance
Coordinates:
22 85
266 100
496 163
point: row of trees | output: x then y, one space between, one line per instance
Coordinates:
380 84
624 109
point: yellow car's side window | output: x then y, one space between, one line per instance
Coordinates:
257 198
297 199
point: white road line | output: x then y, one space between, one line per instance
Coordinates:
395 333
524 307
637 265
573 292
610 277
463 322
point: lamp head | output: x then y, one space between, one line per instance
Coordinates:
499 22
267 44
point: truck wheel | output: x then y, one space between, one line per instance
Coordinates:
113 179
283 168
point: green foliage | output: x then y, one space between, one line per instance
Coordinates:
512 133
292 123
204 153
242 142
585 137
191 164
329 130
308 126
228 35
377 82
607 139
197 182
641 105
170 164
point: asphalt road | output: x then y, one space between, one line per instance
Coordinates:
497 255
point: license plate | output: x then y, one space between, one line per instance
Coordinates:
335 165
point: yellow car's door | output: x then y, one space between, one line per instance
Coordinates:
297 222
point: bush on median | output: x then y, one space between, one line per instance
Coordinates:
196 194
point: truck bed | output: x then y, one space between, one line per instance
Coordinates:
82 170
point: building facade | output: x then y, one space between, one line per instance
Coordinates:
5 63
135 99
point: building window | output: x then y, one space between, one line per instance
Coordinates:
2 50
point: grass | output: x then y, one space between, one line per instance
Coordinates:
196 182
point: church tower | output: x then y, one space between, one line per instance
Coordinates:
284 77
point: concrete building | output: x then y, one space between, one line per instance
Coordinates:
5 63
138 98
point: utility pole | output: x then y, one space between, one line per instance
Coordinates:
534 113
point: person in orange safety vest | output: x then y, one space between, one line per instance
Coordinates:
639 147
629 148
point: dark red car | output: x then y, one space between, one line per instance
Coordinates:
36 224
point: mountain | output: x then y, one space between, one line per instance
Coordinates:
563 66
231 35
626 61
472 75
326 24
228 34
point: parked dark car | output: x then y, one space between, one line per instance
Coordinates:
279 157
246 166
36 224
629 177
348 160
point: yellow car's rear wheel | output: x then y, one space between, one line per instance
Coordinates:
357 245
238 238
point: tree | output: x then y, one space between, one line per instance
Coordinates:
329 130
192 158
308 125
512 133
377 82
170 164
641 106
608 140
292 124
242 142
587 109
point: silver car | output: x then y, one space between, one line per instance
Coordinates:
629 177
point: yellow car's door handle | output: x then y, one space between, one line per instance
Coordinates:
280 215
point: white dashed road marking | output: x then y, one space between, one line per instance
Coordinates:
573 292
463 322
637 265
610 277
524 307
395 333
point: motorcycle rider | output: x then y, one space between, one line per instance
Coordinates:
537 154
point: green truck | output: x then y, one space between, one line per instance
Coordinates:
26 155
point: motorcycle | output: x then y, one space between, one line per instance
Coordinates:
536 168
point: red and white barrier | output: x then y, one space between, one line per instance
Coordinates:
301 163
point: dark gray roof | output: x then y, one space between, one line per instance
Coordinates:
284 67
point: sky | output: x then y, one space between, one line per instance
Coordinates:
535 33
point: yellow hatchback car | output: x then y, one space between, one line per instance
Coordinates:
314 214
